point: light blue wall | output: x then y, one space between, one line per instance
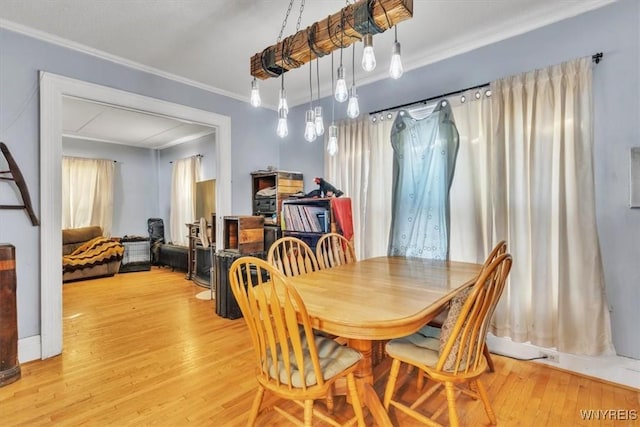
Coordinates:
21 58
613 30
135 183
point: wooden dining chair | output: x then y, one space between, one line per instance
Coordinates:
334 249
456 358
498 249
292 256
291 361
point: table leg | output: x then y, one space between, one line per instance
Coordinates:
364 380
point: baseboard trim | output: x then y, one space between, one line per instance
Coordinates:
29 349
614 369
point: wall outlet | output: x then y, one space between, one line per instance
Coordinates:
551 356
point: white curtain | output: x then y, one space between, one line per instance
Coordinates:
524 173
544 205
87 193
362 168
472 234
185 173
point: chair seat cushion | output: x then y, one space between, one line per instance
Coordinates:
421 348
334 358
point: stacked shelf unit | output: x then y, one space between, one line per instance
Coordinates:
278 186
309 219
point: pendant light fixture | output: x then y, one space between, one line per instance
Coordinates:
310 117
255 93
395 68
341 86
282 100
368 56
319 120
353 109
357 20
341 93
282 130
332 143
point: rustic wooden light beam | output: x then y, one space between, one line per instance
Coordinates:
323 37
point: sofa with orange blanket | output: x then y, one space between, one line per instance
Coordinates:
86 253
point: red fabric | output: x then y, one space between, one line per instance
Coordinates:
341 207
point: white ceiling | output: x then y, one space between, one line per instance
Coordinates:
208 43
100 122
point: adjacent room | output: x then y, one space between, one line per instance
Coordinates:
373 212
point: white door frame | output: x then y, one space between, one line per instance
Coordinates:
52 89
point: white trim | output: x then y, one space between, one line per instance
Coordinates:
140 144
79 47
615 369
29 349
52 89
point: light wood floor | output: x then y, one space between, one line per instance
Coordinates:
140 349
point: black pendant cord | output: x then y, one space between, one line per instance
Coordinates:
333 104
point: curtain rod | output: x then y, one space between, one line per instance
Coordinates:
89 158
433 98
195 155
596 58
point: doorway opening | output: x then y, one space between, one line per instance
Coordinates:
53 88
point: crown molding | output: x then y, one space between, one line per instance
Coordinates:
78 47
516 27
486 37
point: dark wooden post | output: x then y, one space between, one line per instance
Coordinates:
9 367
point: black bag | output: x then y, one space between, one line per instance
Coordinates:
155 226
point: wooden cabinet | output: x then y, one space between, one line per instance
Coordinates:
9 365
243 233
309 219
269 190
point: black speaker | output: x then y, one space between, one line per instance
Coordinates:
226 305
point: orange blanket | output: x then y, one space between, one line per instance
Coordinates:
95 252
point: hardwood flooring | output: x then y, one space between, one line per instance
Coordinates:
140 349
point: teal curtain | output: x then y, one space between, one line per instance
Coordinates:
424 154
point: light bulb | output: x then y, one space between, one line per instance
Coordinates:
282 130
395 69
368 56
319 121
341 94
255 93
353 109
310 126
282 102
332 144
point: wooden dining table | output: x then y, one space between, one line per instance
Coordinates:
378 299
